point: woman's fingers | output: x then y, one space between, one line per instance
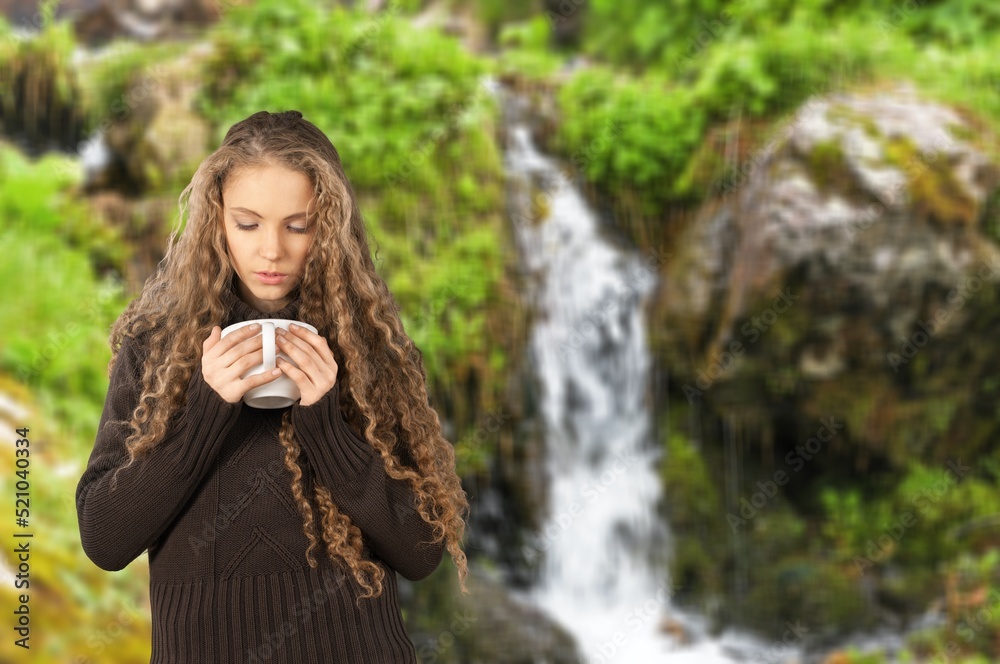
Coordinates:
245 354
298 376
216 345
243 363
311 353
313 340
296 348
260 378
226 359
317 370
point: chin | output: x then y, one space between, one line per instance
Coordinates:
270 294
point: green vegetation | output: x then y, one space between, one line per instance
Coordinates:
62 251
675 100
54 362
673 76
692 503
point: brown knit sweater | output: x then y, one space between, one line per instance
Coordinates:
212 503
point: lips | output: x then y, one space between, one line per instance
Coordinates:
270 278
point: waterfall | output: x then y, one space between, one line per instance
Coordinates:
598 578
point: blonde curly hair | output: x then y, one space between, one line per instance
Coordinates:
181 302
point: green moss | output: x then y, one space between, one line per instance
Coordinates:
632 138
125 77
962 132
827 165
936 192
991 216
705 169
693 507
853 116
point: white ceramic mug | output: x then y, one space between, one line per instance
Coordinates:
282 391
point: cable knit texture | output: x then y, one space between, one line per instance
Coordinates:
212 504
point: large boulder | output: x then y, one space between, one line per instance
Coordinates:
855 210
845 276
149 138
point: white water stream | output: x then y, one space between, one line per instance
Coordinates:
589 350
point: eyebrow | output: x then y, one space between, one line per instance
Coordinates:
291 217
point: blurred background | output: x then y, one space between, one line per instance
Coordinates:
706 292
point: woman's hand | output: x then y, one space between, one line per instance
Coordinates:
317 371
224 360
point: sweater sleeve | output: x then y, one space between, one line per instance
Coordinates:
383 508
117 524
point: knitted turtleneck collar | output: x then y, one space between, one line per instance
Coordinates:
241 311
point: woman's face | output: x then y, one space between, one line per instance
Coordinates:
268 232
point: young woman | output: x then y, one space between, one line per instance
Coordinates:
273 535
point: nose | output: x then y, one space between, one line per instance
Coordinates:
271 248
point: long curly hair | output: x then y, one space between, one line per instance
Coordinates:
348 302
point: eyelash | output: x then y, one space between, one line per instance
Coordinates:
293 229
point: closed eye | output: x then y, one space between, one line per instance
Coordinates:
250 227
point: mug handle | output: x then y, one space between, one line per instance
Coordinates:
267 331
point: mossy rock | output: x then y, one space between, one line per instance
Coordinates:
692 506
935 191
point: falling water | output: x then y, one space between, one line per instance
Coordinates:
589 348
